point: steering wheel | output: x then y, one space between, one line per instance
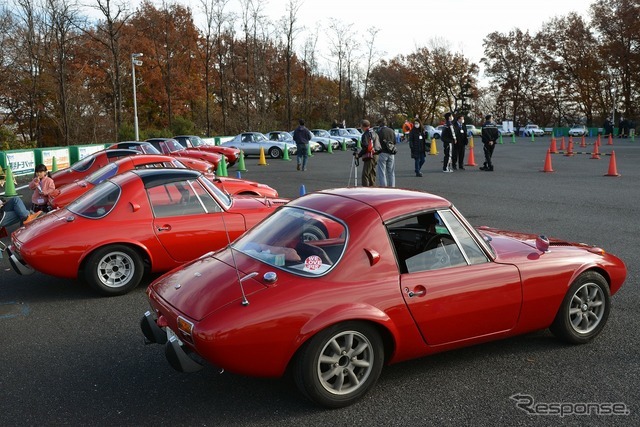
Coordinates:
435 239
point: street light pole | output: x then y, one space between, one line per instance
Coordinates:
135 61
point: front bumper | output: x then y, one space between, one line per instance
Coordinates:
18 265
176 355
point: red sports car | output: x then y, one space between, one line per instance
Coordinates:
146 148
171 147
396 274
88 165
194 141
69 192
142 220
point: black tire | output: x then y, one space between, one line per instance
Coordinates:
275 152
114 270
313 232
584 310
340 364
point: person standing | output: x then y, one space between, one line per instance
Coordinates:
386 172
406 129
368 154
448 137
418 146
302 136
460 145
490 135
608 127
42 186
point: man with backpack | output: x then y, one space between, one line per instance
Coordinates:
386 160
369 154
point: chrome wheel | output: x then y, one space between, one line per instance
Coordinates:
114 270
587 308
339 364
584 310
345 363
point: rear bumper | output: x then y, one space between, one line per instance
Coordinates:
18 265
178 358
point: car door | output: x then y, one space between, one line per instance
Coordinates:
454 291
188 220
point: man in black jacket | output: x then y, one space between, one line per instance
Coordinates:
368 154
457 157
489 137
448 137
302 136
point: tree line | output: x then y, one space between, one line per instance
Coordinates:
66 74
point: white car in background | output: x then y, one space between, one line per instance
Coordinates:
532 129
579 130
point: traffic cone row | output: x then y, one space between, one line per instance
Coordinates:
613 169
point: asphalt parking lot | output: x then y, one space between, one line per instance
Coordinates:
69 357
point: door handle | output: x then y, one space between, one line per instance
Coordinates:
419 291
164 228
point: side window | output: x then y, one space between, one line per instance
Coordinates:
180 199
424 242
470 247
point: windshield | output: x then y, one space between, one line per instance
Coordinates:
223 198
102 174
98 202
84 164
303 242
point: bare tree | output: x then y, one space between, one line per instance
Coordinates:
61 19
371 54
215 19
293 6
339 49
108 33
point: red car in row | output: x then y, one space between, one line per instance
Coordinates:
145 220
65 194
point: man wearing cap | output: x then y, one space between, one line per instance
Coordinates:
490 135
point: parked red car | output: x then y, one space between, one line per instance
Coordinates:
88 165
400 275
69 192
171 147
146 148
142 220
194 141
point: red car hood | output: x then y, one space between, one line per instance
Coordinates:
206 285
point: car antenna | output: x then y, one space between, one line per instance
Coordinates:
245 301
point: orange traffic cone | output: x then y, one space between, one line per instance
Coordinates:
553 148
562 146
613 170
583 142
596 152
569 152
547 163
472 159
610 139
